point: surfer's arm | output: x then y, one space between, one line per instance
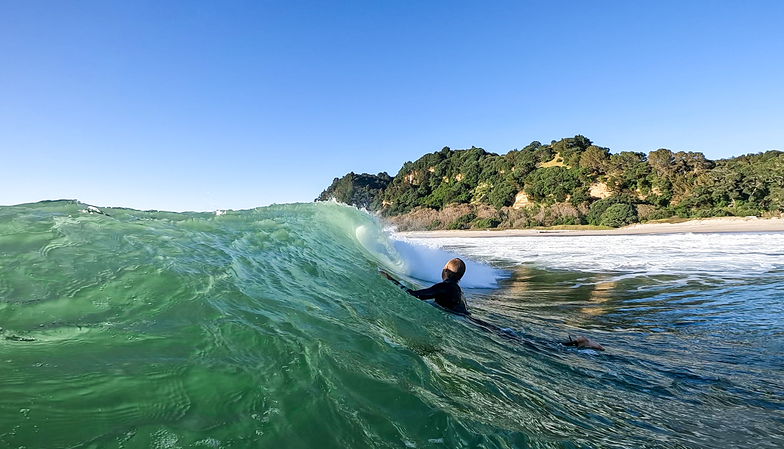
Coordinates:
394 281
425 293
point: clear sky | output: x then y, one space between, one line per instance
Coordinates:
204 105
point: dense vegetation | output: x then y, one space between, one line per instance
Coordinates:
571 181
363 191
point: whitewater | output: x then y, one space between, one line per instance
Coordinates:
272 327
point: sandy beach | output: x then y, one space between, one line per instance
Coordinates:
708 225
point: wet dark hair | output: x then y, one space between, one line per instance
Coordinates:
453 270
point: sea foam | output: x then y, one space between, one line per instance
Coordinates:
421 262
746 253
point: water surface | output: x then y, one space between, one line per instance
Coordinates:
272 328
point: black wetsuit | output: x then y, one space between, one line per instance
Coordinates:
447 294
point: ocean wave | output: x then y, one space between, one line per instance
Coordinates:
271 327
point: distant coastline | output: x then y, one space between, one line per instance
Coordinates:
567 184
703 226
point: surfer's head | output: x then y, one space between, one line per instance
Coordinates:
453 270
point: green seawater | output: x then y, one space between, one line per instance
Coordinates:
272 328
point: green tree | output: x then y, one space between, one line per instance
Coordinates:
552 184
618 215
503 194
595 160
599 207
627 171
662 162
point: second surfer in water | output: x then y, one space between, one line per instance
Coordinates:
449 295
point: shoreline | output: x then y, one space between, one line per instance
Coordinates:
698 226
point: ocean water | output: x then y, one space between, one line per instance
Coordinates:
272 328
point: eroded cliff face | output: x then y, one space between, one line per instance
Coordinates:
521 200
599 190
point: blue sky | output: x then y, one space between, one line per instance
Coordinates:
196 105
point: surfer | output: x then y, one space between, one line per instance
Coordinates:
447 293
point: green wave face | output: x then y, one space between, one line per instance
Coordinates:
260 327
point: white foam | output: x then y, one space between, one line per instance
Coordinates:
425 263
422 262
639 254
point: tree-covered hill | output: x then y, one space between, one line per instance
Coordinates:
362 191
571 181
